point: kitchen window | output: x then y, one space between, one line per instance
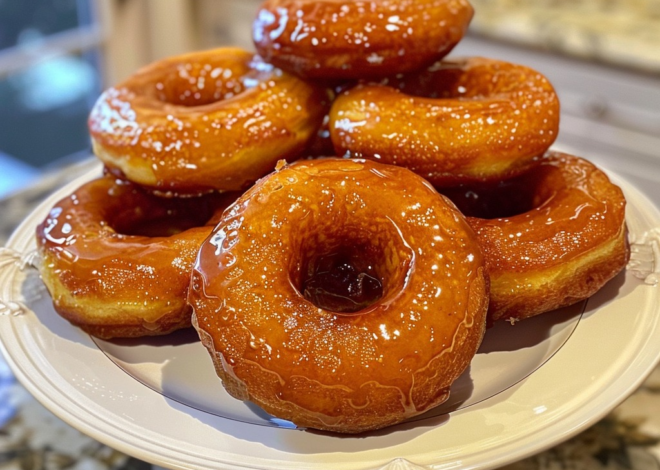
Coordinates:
56 56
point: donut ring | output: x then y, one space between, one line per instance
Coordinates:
459 121
357 39
214 120
566 241
112 284
393 358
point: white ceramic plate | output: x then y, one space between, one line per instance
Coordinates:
531 385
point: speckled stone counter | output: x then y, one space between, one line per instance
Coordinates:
618 32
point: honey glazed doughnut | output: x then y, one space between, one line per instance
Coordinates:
461 120
327 306
212 120
331 39
116 259
551 237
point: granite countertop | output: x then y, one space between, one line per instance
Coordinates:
624 33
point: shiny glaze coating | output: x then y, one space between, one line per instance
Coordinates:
562 248
358 39
213 120
461 120
341 372
116 285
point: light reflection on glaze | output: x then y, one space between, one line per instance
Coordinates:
461 120
357 39
107 281
218 119
270 335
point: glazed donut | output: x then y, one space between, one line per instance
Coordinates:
328 304
459 121
117 260
551 237
214 120
356 39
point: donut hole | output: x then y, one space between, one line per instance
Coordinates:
161 218
348 274
198 83
166 226
458 80
505 198
436 83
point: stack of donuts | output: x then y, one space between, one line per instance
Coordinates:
339 216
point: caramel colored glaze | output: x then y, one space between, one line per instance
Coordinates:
358 39
459 121
563 249
214 120
112 284
343 372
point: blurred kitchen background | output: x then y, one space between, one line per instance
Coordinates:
57 55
